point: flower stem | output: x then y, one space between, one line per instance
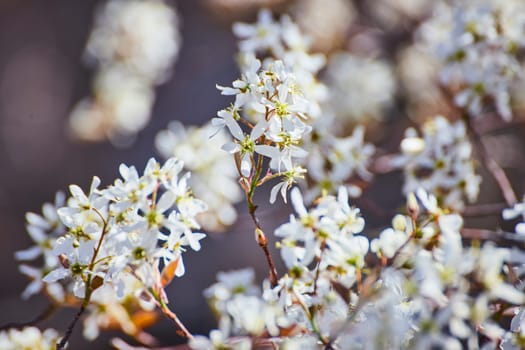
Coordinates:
259 233
183 331
62 344
89 289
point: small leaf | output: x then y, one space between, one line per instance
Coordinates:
96 282
142 319
169 272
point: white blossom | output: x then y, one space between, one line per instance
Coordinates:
440 161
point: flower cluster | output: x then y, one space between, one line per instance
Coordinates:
323 253
28 338
283 40
478 44
330 161
424 290
333 161
440 161
134 44
213 174
450 293
109 246
271 100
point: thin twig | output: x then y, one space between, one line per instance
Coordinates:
263 243
497 172
260 236
89 289
171 315
500 237
44 315
484 209
160 298
69 331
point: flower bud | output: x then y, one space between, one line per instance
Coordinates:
260 237
399 223
412 206
412 145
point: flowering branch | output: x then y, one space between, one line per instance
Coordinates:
260 237
89 289
492 166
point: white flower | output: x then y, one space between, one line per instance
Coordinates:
359 89
246 145
76 263
440 162
478 51
263 35
389 242
288 179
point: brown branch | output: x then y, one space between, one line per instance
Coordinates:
484 209
263 243
63 342
260 237
183 331
500 237
492 166
383 164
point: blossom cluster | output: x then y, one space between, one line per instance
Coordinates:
425 289
283 40
112 247
322 250
270 99
331 161
213 174
133 44
440 161
28 338
478 44
449 292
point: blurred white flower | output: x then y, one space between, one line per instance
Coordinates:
214 177
133 44
478 48
359 89
28 338
440 161
337 161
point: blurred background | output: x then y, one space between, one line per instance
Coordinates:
42 78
